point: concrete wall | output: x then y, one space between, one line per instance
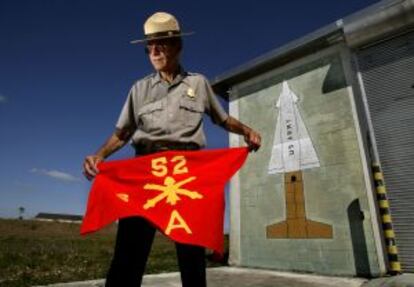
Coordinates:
337 193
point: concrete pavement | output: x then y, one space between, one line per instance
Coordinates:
404 280
239 277
248 277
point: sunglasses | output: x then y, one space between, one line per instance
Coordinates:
160 45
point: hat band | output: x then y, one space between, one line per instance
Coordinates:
162 34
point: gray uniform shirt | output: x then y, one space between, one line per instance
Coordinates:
159 111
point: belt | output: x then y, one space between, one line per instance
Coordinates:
159 146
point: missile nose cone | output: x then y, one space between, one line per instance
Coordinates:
285 87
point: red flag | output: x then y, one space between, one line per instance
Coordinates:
180 192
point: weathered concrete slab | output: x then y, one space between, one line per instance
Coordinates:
240 277
404 280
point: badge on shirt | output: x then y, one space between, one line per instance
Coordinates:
191 93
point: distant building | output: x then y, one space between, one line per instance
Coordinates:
335 109
69 218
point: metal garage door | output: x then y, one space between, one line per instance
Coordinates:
388 77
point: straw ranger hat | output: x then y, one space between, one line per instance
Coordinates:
161 25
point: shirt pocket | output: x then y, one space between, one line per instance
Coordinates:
191 112
151 117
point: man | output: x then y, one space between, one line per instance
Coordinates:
163 111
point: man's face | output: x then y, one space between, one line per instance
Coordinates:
163 54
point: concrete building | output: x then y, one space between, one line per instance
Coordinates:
57 217
331 107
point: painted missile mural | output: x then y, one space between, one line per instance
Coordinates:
292 152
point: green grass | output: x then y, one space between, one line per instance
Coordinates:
38 253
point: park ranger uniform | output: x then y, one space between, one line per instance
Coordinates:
164 116
170 116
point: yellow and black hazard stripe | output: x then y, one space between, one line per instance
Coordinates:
384 208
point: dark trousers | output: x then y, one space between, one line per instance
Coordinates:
133 244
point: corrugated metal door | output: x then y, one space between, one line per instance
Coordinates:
388 77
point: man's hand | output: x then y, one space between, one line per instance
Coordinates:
90 166
253 139
117 140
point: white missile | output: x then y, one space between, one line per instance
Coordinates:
292 147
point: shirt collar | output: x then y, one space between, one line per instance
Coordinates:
182 75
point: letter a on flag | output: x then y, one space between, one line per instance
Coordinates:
179 192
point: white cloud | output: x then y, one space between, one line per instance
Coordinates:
59 175
3 99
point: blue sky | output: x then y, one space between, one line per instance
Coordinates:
67 65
